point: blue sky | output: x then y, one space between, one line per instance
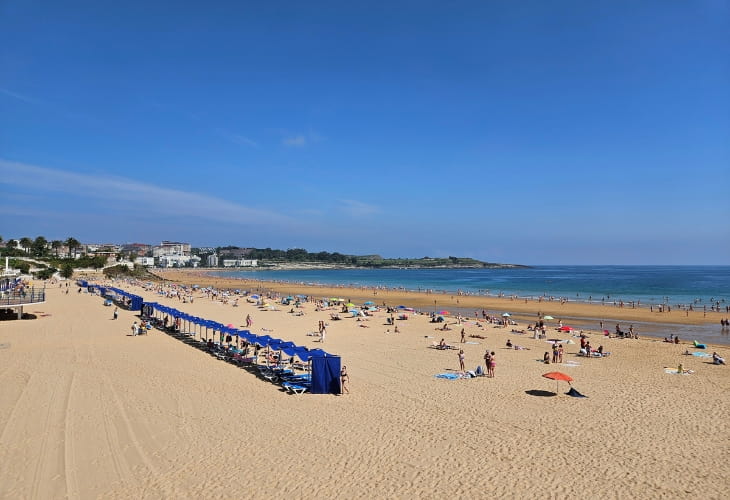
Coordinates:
525 132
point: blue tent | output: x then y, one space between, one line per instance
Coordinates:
326 375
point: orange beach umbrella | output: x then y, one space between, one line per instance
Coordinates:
557 376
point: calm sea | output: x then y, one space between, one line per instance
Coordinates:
648 285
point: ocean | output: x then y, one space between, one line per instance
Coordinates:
701 286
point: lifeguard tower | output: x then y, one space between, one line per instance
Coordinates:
14 295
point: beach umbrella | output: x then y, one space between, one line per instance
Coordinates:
565 328
369 303
557 376
547 317
350 304
442 313
506 315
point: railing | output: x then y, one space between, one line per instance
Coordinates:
18 298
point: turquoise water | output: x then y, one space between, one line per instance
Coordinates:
648 284
701 286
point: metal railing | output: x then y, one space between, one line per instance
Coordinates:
18 298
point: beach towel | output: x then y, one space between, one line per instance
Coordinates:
572 392
701 354
570 363
673 371
474 343
448 376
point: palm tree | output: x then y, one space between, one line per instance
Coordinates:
40 246
56 244
72 244
26 243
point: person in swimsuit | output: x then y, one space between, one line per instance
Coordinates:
344 379
492 364
461 360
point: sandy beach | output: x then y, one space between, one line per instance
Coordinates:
88 411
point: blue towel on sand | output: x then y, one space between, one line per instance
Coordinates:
700 354
450 376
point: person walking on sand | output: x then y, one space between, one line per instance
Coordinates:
492 364
135 329
463 336
249 321
344 379
323 333
116 312
461 360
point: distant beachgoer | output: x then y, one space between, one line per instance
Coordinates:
461 360
249 321
344 379
676 339
463 336
116 312
492 364
509 343
546 358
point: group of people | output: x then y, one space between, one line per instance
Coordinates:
558 352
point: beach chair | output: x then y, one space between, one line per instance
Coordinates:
295 388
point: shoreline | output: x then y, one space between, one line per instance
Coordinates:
426 300
651 325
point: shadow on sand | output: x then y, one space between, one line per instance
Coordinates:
544 394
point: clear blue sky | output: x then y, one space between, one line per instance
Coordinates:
526 132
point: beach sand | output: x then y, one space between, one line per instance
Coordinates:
88 411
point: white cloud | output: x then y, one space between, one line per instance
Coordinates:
241 140
295 141
148 198
357 208
15 95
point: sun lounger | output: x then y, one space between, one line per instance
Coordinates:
295 388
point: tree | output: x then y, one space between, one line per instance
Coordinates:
26 243
67 270
72 244
40 246
12 244
56 244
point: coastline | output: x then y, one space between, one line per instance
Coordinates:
428 301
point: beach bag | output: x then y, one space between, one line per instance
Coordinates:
479 372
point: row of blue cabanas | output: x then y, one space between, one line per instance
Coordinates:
134 301
274 344
325 373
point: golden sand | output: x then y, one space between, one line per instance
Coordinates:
87 411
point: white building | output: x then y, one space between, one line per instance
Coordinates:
171 248
212 260
240 263
145 261
178 261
